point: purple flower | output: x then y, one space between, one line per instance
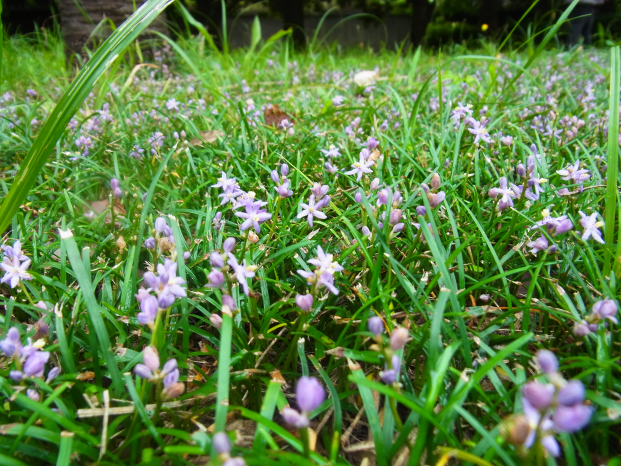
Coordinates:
148 310
35 364
216 260
538 395
295 419
311 211
52 374
283 190
390 376
583 328
216 279
572 393
15 271
533 417
229 302
480 132
572 418
421 210
325 262
435 199
284 169
309 394
224 182
11 343
331 152
228 245
215 320
151 358
33 394
221 443
319 191
547 361
606 309
574 173
327 279
241 273
338 100
304 302
253 218
507 194
591 227
540 244
376 325
16 376
149 243
114 183
361 167
229 194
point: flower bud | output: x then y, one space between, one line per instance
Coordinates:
563 227
173 391
375 184
221 443
421 210
376 325
186 255
149 243
229 245
16 376
521 170
366 231
41 305
389 376
538 395
117 193
304 302
160 225
215 320
395 216
515 429
165 300
382 196
397 228
572 418
547 361
216 260
581 329
309 393
295 419
358 197
151 358
52 374
252 237
114 183
33 394
170 366
398 338
284 169
229 302
425 188
216 279
143 371
275 177
436 199
435 181
606 309
572 393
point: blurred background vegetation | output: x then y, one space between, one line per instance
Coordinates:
435 23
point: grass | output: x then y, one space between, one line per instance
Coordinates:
478 305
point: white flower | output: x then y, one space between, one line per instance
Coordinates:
15 271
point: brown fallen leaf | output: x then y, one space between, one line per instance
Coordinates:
207 136
99 207
85 376
274 116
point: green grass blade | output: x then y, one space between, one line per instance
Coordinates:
612 159
94 311
224 366
70 102
65 450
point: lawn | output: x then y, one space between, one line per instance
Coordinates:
321 257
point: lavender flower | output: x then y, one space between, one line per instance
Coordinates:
253 218
311 211
591 227
480 132
376 325
283 190
304 302
606 309
11 343
15 270
540 244
148 310
361 167
241 272
574 173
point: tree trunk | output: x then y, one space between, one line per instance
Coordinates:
79 22
422 11
293 17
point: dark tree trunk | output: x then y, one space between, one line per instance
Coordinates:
78 23
422 11
293 17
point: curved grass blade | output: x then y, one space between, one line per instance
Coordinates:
71 101
612 159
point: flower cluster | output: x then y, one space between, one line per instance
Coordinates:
282 183
392 362
323 276
29 360
603 310
555 406
169 374
15 265
167 288
226 270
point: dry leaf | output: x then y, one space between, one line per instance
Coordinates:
85 376
274 116
207 136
